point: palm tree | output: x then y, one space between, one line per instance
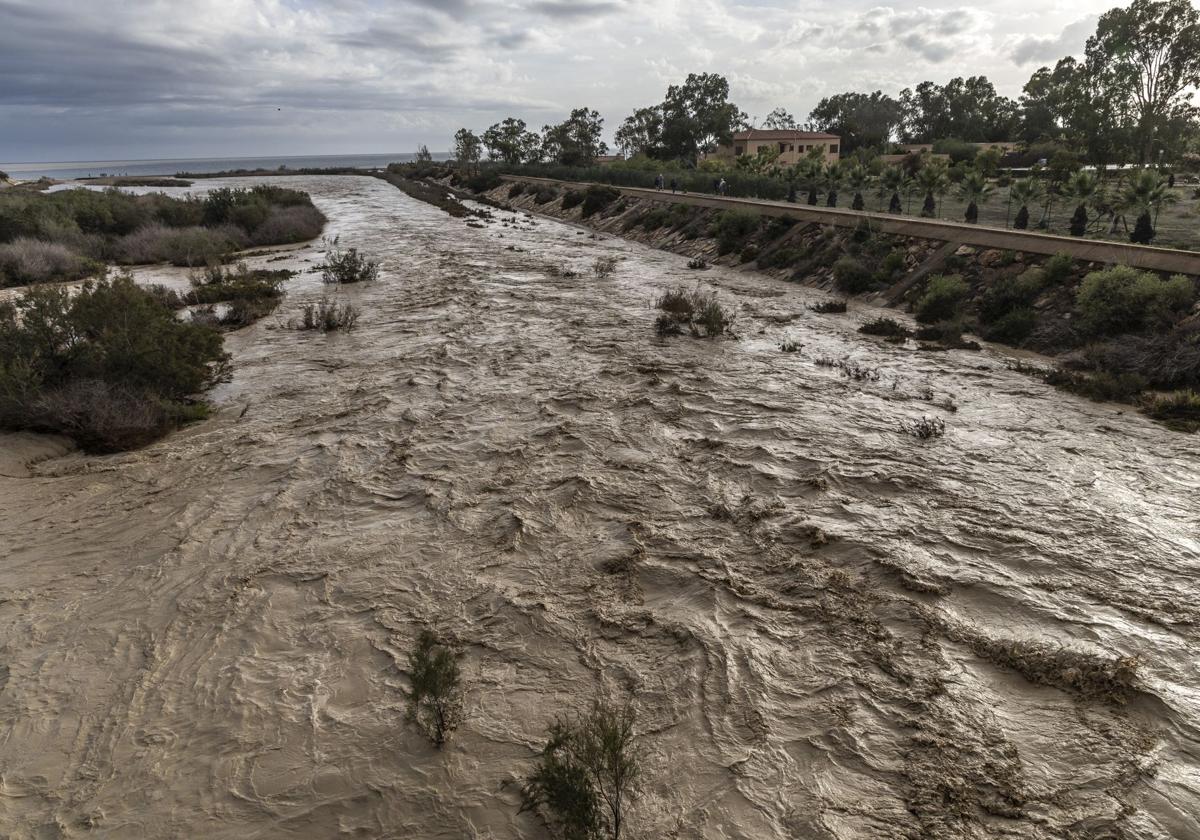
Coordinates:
933 181
1024 192
857 178
811 175
889 183
1082 186
1145 191
975 189
835 174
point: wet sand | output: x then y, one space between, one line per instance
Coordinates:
206 638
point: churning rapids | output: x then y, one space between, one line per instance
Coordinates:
206 638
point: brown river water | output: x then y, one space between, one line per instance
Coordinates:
207 637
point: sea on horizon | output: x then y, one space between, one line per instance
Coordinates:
170 166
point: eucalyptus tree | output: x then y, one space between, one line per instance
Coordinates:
779 118
467 149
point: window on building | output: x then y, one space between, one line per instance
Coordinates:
833 148
739 150
792 147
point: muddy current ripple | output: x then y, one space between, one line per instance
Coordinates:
206 638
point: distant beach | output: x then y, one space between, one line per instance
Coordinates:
63 170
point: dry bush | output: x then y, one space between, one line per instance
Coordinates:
435 702
25 261
346 265
287 225
924 428
328 316
829 307
102 417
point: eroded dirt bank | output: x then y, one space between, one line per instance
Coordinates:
822 618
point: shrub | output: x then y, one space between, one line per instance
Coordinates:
1008 293
829 307
597 198
328 316
545 195
886 327
1058 268
851 276
483 182
1179 410
749 253
288 225
604 267
588 771
733 227
1102 386
25 261
655 219
697 264
700 313
435 700
215 284
346 265
516 189
1124 300
893 265
573 198
74 364
942 298
188 246
1012 327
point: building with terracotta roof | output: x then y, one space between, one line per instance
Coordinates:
793 144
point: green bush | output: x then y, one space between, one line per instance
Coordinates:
573 198
1058 268
943 296
1008 293
699 313
1124 300
891 268
852 277
78 364
655 219
516 189
733 228
545 195
1013 327
483 182
328 316
597 198
886 327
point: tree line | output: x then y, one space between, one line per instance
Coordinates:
1127 99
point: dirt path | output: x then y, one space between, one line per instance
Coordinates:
203 638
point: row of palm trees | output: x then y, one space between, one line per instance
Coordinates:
1140 194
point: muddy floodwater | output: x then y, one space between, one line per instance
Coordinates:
207 638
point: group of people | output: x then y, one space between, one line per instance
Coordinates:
720 187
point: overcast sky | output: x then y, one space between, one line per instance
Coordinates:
123 79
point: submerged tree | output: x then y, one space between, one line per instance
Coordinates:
435 701
588 771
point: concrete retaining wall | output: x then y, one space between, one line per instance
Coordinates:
1140 256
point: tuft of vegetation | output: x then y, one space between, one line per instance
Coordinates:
516 189
1124 300
329 316
924 428
790 346
944 295
604 267
886 327
697 264
545 195
483 182
1058 268
573 198
699 313
1178 410
435 701
346 265
587 774
110 366
829 307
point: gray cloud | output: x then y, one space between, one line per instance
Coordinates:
1034 49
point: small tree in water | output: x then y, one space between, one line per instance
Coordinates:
588 771
435 702
346 266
